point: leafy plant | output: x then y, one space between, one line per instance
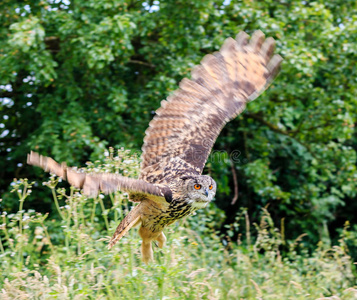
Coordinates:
65 255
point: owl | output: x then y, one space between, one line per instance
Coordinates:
179 140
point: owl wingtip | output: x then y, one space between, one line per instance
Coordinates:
274 64
242 38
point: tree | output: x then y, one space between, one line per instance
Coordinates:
78 76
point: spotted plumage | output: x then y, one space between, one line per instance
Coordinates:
180 138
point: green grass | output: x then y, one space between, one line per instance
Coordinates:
65 256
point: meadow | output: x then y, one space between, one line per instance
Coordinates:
64 255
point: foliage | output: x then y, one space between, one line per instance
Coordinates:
78 76
67 257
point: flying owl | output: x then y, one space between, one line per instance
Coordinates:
179 140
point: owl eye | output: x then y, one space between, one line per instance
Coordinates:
210 187
197 186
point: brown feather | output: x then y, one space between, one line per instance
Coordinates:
130 220
189 122
93 184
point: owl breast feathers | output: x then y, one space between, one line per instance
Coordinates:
180 138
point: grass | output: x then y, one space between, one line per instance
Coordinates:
66 257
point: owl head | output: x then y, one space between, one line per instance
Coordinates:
197 190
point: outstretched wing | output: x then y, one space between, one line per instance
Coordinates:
188 122
94 183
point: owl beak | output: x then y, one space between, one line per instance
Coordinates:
206 192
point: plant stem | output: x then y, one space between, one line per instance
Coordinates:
48 237
247 224
93 211
56 202
21 205
104 213
1 246
7 234
114 206
81 211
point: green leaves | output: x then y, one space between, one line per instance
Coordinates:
26 34
86 74
262 181
26 46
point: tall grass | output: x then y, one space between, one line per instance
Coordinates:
66 256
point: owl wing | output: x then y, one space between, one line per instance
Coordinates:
188 123
93 184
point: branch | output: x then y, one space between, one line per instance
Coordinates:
266 123
287 132
235 181
295 132
313 127
278 130
134 61
6 94
51 38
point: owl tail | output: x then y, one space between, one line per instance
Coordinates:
130 220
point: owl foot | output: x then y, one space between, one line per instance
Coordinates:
147 255
161 239
146 247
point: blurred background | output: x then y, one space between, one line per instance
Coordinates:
77 77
